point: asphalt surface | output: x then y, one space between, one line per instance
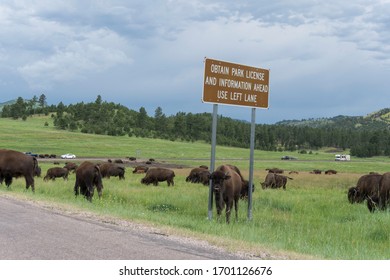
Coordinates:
29 231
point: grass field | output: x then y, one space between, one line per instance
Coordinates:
312 219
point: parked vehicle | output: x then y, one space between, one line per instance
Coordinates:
342 157
288 158
68 156
31 154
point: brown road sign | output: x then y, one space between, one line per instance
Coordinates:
235 84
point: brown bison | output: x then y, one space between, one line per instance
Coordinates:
380 199
140 169
245 183
199 175
367 185
226 184
384 191
275 170
111 169
88 177
71 166
158 174
275 181
330 172
14 164
56 172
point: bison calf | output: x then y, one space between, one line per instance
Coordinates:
56 172
199 175
275 181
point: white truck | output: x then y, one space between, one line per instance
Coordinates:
342 157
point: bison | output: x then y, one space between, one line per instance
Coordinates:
71 166
245 183
158 174
111 169
384 191
226 184
275 181
140 169
330 172
381 198
275 170
14 164
88 177
367 185
199 175
56 172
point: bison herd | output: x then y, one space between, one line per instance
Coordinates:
228 184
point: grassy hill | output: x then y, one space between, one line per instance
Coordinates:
376 120
34 136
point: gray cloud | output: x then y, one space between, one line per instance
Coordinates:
326 58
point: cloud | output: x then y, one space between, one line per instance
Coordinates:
325 57
93 51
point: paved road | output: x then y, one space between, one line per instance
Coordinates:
33 232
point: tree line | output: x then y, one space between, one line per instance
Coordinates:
107 118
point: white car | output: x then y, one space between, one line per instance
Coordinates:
68 156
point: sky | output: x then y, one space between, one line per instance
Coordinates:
326 58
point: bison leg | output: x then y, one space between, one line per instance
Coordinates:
371 204
228 211
236 208
76 189
219 205
30 182
89 193
170 182
8 180
100 191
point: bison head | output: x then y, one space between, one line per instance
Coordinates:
245 189
352 193
217 178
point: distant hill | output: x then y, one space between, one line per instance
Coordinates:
376 120
10 102
373 121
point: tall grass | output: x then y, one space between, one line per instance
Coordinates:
311 219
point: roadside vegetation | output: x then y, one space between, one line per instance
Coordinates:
312 219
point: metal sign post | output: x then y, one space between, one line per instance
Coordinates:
212 161
240 85
251 161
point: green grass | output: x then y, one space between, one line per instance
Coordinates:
311 219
